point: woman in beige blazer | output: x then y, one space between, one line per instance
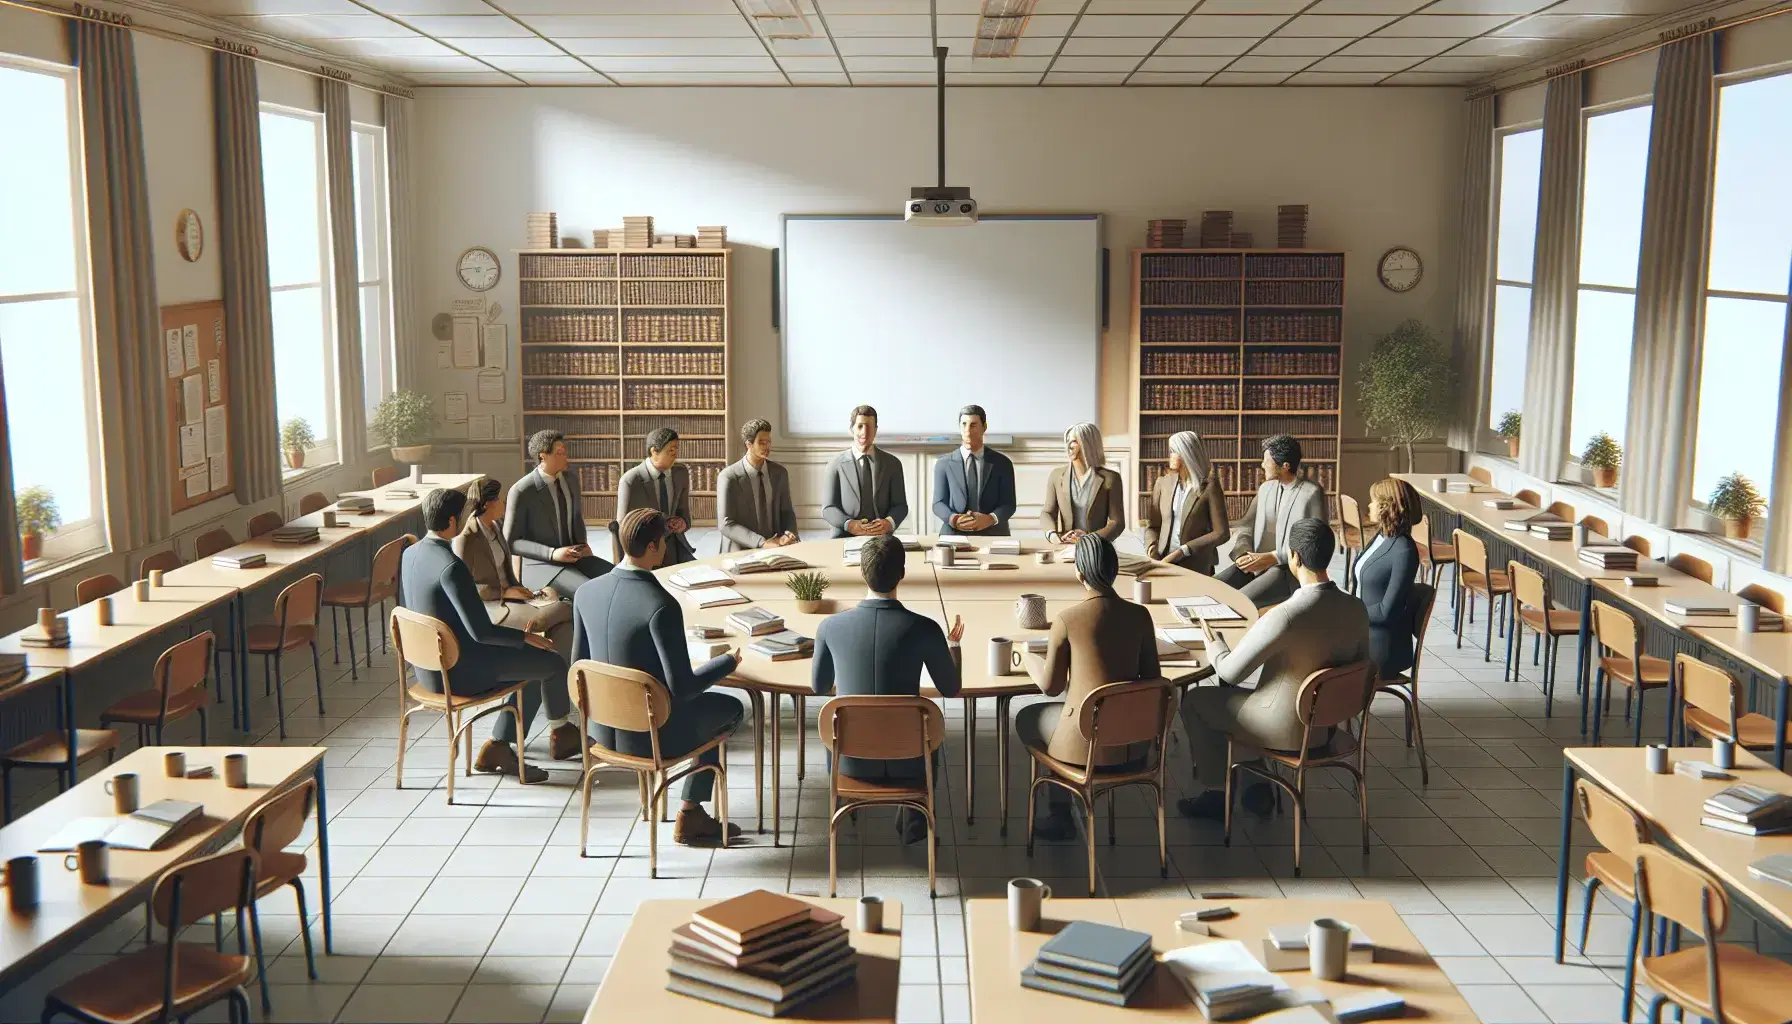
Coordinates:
1185 522
1084 495
1102 639
481 546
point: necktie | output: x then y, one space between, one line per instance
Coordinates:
973 484
567 517
867 510
665 502
763 501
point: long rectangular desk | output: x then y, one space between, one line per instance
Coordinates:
70 912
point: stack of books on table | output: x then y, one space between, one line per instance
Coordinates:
1291 227
1164 234
1088 960
1456 486
1227 983
764 561
1523 524
1502 504
763 953
246 560
1748 810
355 503
1005 546
56 637
637 232
541 231
714 236
1690 608
1194 609
12 668
1553 531
1775 867
717 597
784 645
756 621
400 494
294 535
697 577
1609 556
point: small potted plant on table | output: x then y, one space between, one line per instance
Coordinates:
34 509
1737 502
808 588
1603 455
296 438
1510 424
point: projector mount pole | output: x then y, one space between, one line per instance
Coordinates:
939 56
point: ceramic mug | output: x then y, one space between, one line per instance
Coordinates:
123 790
871 914
1025 898
102 611
156 578
21 883
944 553
140 590
90 858
1141 591
174 764
1748 617
1001 655
1655 758
236 771
1328 949
1029 611
1723 753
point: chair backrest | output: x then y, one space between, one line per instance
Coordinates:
1124 713
621 698
1614 629
383 575
881 728
1690 897
183 667
1691 565
423 642
385 475
1561 509
1766 597
197 889
1613 824
1332 696
1596 525
1421 536
95 587
313 502
211 542
1708 688
298 604
1483 474
1529 586
1424 597
1639 544
1471 553
163 560
281 820
1530 497
267 522
1349 512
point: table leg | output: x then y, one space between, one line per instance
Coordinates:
970 760
777 708
73 737
1562 857
801 708
323 857
757 701
1779 732
1002 760
241 644
1580 652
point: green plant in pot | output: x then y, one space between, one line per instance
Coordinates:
1510 425
1603 456
808 588
404 421
1407 387
1737 502
35 512
295 439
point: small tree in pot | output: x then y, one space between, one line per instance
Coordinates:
1736 501
1603 455
34 510
1510 425
404 422
1407 387
295 439
808 588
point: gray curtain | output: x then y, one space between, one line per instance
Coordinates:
407 341
1555 274
243 255
1473 250
12 572
1779 503
1670 300
127 324
351 417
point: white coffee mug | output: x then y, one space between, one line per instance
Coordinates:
416 472
102 611
1001 655
871 914
140 590
1025 898
1141 591
944 553
1748 617
1723 753
1655 758
1328 948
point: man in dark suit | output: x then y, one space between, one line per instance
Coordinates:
973 486
880 647
627 619
439 585
753 506
865 495
544 522
660 483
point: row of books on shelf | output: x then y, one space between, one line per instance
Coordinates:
1165 424
672 328
1157 449
1248 265
1305 327
1159 325
582 361
656 395
675 362
1221 362
1217 395
540 327
672 293
1293 293
1189 265
682 265
1190 293
596 448
554 396
568 293
1256 425
532 265
1215 362
635 427
598 477
1300 361
1251 447
1291 396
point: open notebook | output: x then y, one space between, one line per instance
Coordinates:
143 829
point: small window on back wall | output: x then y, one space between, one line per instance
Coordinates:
292 171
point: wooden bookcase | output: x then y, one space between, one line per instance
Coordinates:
618 342
1237 345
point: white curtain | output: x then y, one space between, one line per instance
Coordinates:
339 168
1472 278
1555 275
410 343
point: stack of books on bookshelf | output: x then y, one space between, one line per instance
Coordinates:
1609 556
697 577
541 230
764 561
1291 227
1165 234
763 953
1216 228
637 232
1748 810
1241 240
756 621
294 535
714 236
246 560
1093 961
784 645
600 238
675 242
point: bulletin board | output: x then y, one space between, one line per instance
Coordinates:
196 381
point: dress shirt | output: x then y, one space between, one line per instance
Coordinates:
500 555
1179 498
562 504
1081 490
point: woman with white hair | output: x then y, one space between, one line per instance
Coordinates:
1084 495
1185 521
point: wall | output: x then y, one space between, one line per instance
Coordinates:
1378 167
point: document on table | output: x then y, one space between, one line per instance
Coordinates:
491 386
192 446
192 397
176 361
454 406
189 344
217 430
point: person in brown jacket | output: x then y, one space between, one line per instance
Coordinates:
1103 639
1185 521
481 545
1084 495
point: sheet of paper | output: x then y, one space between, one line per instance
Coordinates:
469 306
454 405
217 430
192 446
479 428
504 427
198 480
497 347
176 361
214 382
192 396
444 358
465 343
491 387
219 470
189 343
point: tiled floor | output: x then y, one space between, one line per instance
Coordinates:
485 911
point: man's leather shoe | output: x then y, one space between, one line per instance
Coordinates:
695 827
497 758
563 742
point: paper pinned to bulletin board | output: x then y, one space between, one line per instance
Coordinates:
197 393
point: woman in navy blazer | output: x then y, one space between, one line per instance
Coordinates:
1387 573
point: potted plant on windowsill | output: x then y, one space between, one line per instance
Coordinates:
296 439
1737 502
34 510
403 422
807 588
1603 455
1510 424
1406 387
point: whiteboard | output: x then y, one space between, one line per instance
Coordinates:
919 321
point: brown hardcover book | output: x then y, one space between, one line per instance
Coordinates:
778 967
753 1004
753 914
797 936
748 983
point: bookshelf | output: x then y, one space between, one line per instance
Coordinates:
1237 345
618 342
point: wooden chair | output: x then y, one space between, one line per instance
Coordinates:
380 586
1478 578
267 522
1715 980
1596 526
1434 555
1766 597
385 475
172 980
211 542
1627 665
1639 544
426 643
163 560
1561 510
1116 715
1351 535
1530 497
269 831
880 728
1533 608
316 501
1620 833
1405 688
1482 474
49 751
1327 702
294 626
631 700
95 587
178 693
1691 565
1711 705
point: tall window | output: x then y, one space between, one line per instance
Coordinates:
292 173
1746 285
1521 165
1611 234
372 250
46 344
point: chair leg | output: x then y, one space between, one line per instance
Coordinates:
1032 792
1112 796
261 968
1418 729
271 668
382 629
317 679
1492 603
404 727
833 862
1089 835
202 739
1459 617
351 641
1586 913
1300 815
653 840
453 751
585 813
1163 849
366 635
1231 771
298 891
336 640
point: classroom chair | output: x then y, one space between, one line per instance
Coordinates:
379 586
1596 526
1405 688
1711 705
1620 833
1477 578
178 692
1534 608
1766 597
316 501
1639 544
1691 565
265 523
631 700
1530 497
211 542
881 728
95 587
163 560
1481 474
385 475
425 643
49 750
1434 555
1351 536
1625 664
294 626
269 831
1329 699
1561 510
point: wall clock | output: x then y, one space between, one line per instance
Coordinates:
1400 269
189 236
478 269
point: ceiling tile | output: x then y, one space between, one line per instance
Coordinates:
1167 78
893 78
538 64
801 47
1334 24
567 78
470 78
698 78
1366 65
1459 26
1225 46
337 26
995 64
1473 65
829 65
1085 78
230 8
1032 45
1100 64
1184 64
415 46
453 62
1126 24
531 47
1209 25
1282 64
883 45
667 65
992 78
1325 78
1368 6
667 26
1175 7
834 7
1429 78
1573 26
1247 78
959 25
664 7
1253 7
807 78
1651 7
910 25
857 64
1510 8
467 26
1109 46
1516 45
721 47
1398 46
1299 46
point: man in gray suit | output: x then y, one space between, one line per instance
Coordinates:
753 507
1260 557
544 521
660 483
1318 627
628 619
439 585
880 647
866 496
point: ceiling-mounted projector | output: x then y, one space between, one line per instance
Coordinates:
940 204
